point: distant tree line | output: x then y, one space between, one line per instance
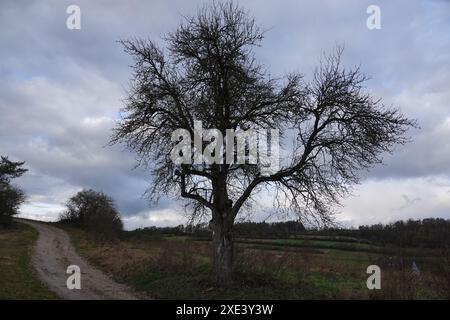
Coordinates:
269 230
242 229
426 233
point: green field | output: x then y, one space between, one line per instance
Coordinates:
324 244
17 278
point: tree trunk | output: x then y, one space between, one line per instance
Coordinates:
222 220
223 252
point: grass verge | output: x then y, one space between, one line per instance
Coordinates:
17 277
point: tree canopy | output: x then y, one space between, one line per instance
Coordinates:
11 197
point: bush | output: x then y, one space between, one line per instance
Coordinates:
94 212
10 200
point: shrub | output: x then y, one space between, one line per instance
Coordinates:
94 212
10 199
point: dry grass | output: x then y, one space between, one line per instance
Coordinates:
180 268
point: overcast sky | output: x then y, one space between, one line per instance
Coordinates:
61 91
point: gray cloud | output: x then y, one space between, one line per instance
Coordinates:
61 90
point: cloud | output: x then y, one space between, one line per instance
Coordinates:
389 200
159 218
61 90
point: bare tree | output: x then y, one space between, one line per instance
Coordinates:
209 73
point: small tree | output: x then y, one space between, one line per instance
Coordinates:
95 212
11 197
211 75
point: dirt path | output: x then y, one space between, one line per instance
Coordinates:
54 252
